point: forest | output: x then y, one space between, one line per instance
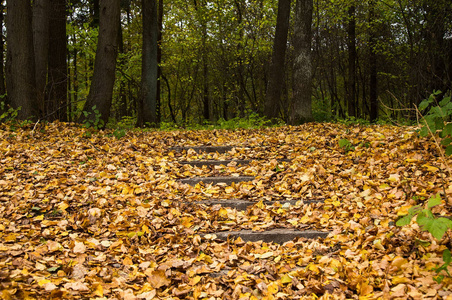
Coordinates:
181 62
107 192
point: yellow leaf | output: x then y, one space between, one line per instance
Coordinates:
43 281
39 218
195 280
98 290
127 261
272 288
9 238
403 210
187 222
378 245
313 268
229 189
305 219
430 168
396 280
63 205
286 279
223 213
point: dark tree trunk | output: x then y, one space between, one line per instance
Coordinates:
159 60
373 84
149 72
41 47
302 109
277 67
351 95
20 63
2 58
101 89
58 77
95 12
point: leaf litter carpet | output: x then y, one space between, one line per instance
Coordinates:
95 217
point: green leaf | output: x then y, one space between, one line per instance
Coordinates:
344 143
438 227
424 104
434 201
447 258
446 141
424 131
445 101
438 278
449 150
404 220
447 131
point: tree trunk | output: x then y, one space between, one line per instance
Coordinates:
159 60
149 70
58 77
277 66
101 89
41 47
95 13
302 110
373 92
20 63
351 95
2 58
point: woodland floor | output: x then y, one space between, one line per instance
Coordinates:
96 217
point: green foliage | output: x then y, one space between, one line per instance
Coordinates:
353 121
437 119
346 145
428 222
253 120
97 122
9 114
119 133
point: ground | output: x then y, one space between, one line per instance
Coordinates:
85 215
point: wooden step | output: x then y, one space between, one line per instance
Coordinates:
279 236
208 149
200 163
240 204
228 180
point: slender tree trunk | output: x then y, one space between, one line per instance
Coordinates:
159 60
302 109
58 77
20 63
149 70
351 95
101 89
41 47
373 84
95 12
2 58
277 67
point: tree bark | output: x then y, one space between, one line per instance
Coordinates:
101 89
351 95
159 60
149 70
277 66
302 109
58 77
41 47
373 83
2 58
20 63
